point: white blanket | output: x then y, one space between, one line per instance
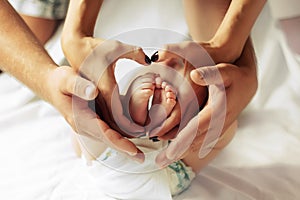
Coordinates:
262 161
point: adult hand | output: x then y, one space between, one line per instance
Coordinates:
96 61
68 91
240 84
183 57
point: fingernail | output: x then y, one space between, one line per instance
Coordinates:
132 153
147 60
198 76
154 57
139 157
154 139
200 73
89 91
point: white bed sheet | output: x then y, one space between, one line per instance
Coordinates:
262 161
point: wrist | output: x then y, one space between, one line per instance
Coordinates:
77 47
69 39
225 50
47 83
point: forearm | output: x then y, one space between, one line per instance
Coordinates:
237 24
81 18
204 17
22 55
247 58
226 25
78 29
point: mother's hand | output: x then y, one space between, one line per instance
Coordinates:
95 59
183 57
240 84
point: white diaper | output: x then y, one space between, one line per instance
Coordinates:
123 178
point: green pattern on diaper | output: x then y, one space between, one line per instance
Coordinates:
108 153
182 175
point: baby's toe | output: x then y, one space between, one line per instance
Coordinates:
171 95
158 82
171 102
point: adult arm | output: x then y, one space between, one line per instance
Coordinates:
24 57
221 28
227 25
239 80
95 59
21 54
240 83
77 37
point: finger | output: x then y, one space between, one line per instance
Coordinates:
88 124
189 51
183 140
135 53
166 55
73 84
212 75
209 121
107 53
85 119
111 110
170 135
177 50
212 118
179 145
120 143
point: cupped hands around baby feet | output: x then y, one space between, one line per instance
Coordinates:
151 100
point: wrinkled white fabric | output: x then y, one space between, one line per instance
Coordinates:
284 9
262 161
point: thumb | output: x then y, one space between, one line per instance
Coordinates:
73 84
85 89
211 75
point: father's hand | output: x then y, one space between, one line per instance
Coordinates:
68 91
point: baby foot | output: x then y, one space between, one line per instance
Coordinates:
164 100
141 89
165 96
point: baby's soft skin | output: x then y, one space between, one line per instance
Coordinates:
140 91
172 89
